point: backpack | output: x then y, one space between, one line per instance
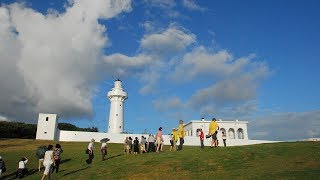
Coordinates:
41 150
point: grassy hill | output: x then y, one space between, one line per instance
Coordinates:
293 160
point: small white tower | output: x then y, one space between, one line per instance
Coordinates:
116 96
47 127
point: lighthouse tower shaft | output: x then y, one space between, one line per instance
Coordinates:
117 96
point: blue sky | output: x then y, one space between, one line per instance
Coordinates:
250 60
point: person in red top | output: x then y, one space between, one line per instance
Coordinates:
201 135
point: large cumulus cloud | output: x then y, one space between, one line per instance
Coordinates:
48 62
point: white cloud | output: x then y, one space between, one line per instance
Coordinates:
150 78
190 4
170 104
170 41
161 3
234 81
220 64
120 65
2 118
286 126
152 63
52 59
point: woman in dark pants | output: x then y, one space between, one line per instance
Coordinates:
90 149
57 157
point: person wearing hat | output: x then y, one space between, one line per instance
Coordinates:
2 166
213 127
91 155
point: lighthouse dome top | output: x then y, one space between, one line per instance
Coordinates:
117 90
118 84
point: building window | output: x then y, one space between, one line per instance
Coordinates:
120 104
45 132
240 133
223 130
231 133
198 132
120 127
116 114
47 118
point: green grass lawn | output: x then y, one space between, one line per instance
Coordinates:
292 160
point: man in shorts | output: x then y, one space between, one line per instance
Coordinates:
213 127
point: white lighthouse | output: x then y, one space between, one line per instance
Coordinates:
116 96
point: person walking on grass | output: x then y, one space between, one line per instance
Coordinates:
171 141
91 154
143 145
213 127
103 150
150 143
126 147
22 168
224 139
41 150
130 145
57 157
181 135
48 162
136 146
159 140
201 135
2 166
175 138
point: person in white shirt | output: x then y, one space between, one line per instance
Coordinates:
104 149
91 155
22 168
143 144
48 162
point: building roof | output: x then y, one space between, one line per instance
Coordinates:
218 121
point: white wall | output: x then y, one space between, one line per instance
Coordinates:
119 138
47 130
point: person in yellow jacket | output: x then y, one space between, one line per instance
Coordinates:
181 135
213 130
175 138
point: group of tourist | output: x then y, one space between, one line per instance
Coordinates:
51 160
155 143
50 156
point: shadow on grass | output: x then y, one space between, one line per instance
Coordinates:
64 161
14 174
75 171
114 156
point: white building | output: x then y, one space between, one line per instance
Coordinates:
116 96
233 129
47 127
